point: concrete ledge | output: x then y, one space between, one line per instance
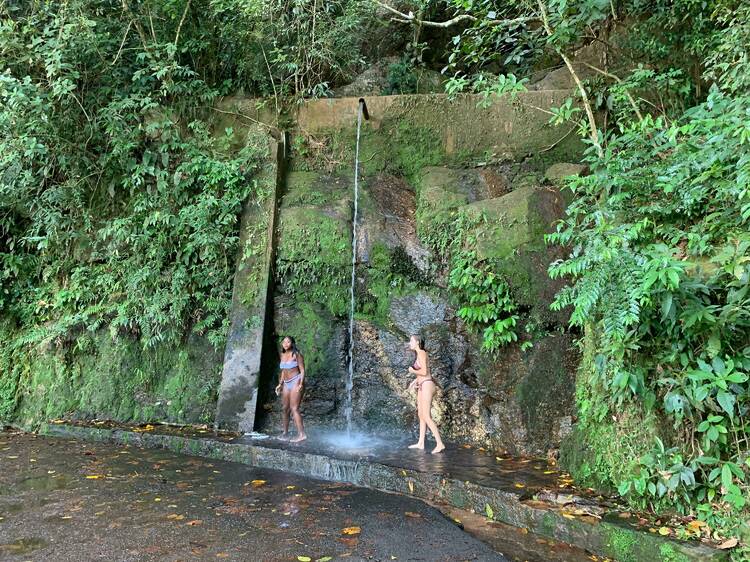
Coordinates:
510 127
611 537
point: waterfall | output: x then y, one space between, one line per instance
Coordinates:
350 378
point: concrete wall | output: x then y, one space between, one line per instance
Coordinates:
510 127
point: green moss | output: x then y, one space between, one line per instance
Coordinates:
310 188
119 380
313 258
621 543
669 554
390 273
548 524
397 147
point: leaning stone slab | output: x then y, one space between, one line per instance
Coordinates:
238 393
609 537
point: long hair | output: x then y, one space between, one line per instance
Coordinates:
420 341
293 349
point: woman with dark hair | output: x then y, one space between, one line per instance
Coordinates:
291 387
425 387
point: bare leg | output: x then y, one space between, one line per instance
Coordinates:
296 398
422 427
285 407
428 391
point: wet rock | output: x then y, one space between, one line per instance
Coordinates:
556 173
389 218
376 80
412 313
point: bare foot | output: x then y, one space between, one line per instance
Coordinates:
417 446
284 437
438 449
298 438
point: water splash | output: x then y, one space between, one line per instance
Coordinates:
352 441
350 378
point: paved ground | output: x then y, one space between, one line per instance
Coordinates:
63 500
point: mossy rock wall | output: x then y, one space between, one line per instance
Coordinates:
522 401
422 160
117 379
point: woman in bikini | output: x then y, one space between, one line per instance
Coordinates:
425 387
291 387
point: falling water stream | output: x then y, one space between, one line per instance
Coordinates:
350 378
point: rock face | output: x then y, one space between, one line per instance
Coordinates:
520 400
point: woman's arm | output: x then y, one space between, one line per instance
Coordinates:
301 367
281 375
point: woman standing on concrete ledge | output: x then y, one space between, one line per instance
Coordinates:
425 386
291 387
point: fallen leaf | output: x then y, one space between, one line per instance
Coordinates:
549 472
411 486
730 543
222 555
488 511
95 476
664 531
519 485
304 558
351 531
412 514
324 559
176 517
291 487
257 483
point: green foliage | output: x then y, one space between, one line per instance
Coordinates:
486 301
119 205
661 264
481 293
291 47
402 78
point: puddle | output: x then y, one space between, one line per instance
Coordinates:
22 546
46 483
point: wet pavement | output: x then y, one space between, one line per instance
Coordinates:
460 462
520 475
66 500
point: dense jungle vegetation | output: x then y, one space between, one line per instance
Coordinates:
119 207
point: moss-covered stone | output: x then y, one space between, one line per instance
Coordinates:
117 379
313 249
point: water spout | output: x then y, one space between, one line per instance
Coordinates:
361 112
